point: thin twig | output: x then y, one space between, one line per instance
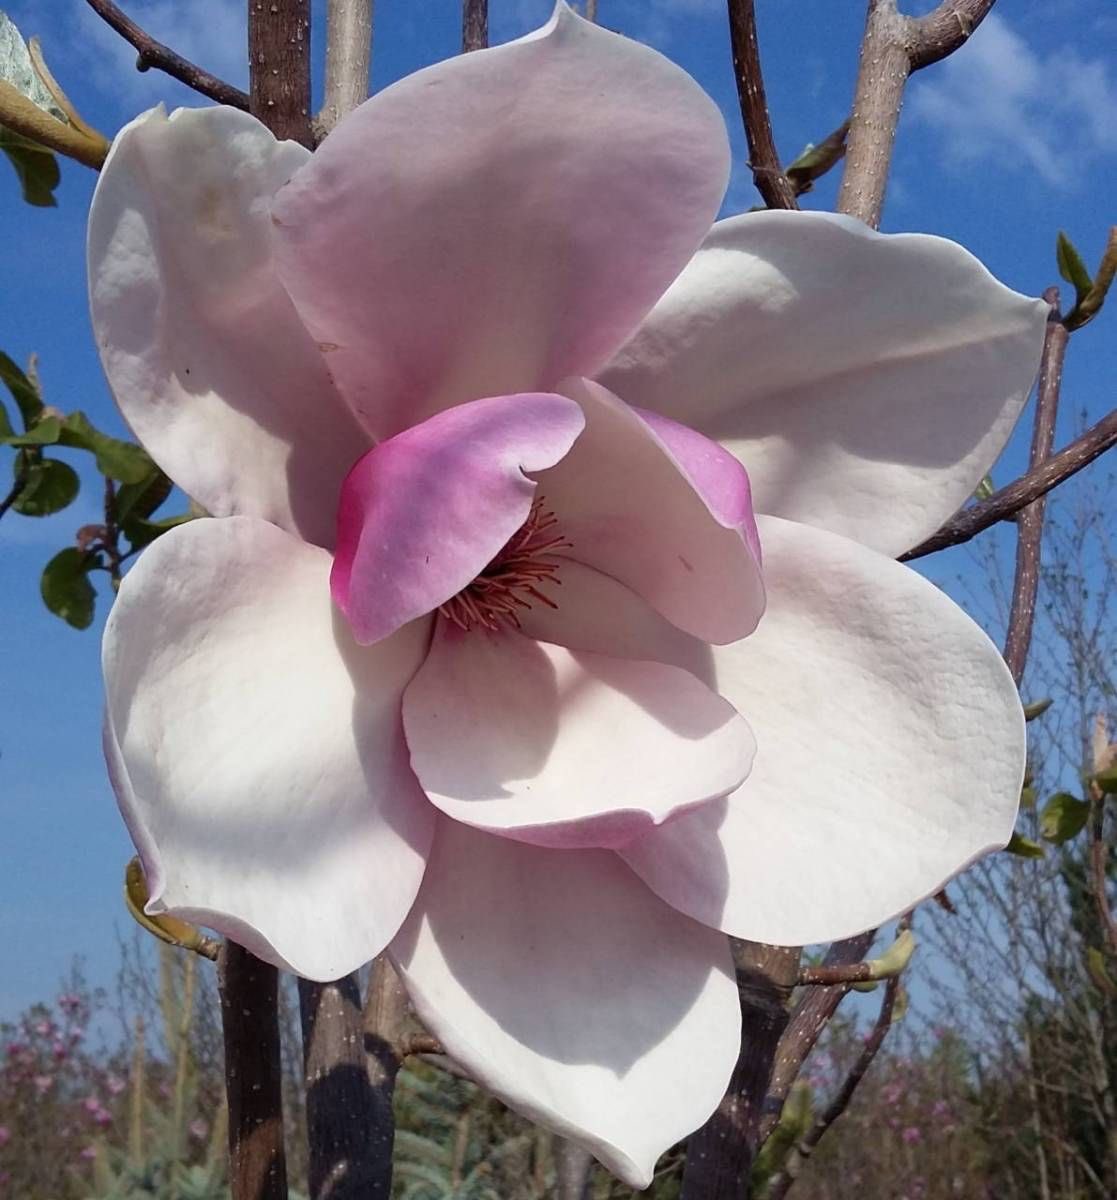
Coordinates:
591 10
1004 504
475 25
781 1183
279 61
772 184
1029 522
573 1164
720 1155
344 1116
892 48
809 1018
253 1077
14 493
348 60
894 960
163 58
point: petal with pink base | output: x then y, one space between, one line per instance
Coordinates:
500 220
675 527
566 749
423 513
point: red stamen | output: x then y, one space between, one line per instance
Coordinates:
512 580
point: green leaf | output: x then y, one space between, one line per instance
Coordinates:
1028 797
24 391
35 167
1107 780
142 533
1071 266
1024 847
6 429
1036 709
43 433
66 589
984 489
123 461
1063 817
143 498
51 486
1095 968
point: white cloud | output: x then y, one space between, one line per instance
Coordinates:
1003 100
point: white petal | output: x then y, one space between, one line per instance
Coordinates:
563 986
500 220
204 352
890 752
866 381
565 749
257 751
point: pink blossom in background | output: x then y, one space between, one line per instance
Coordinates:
198 1129
115 1084
485 660
43 1083
5 1135
88 1154
911 1135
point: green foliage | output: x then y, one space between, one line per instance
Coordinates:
1063 817
35 167
1071 267
49 486
66 589
1024 847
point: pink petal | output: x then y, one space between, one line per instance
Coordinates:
564 987
500 220
867 381
256 751
890 753
565 749
205 354
634 510
423 513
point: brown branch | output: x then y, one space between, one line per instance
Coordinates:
14 493
279 67
349 1149
772 184
348 60
249 1020
892 48
475 25
941 32
894 960
720 1155
163 58
781 1183
809 1018
1099 863
1004 504
1029 523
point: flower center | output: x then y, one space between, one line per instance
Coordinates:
511 582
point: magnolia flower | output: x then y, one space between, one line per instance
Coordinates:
477 662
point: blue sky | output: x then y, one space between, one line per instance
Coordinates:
1008 141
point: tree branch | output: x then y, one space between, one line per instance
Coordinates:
781 1183
475 25
1003 505
155 54
279 63
350 1151
892 48
348 60
1029 523
809 1018
249 1020
720 1155
894 960
772 184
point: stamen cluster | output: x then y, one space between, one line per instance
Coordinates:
510 583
